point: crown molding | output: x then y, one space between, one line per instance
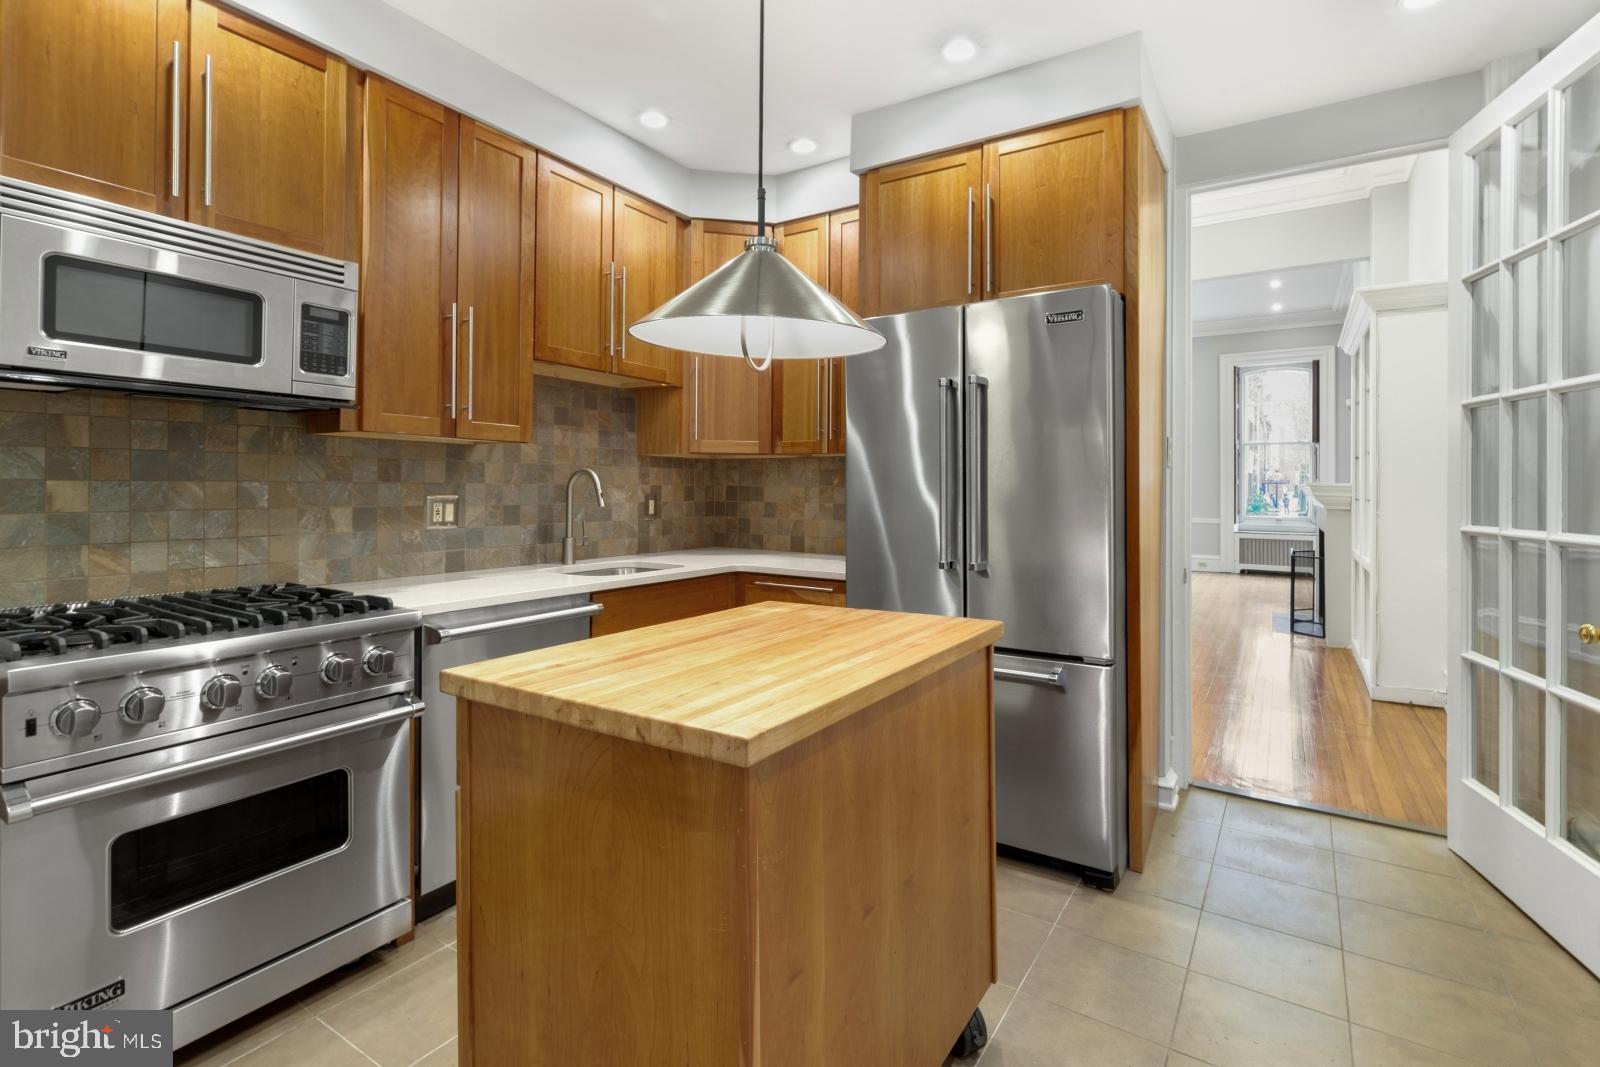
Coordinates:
1299 192
1263 323
1371 299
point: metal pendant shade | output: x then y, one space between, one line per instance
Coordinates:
758 305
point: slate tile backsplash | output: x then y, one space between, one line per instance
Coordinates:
104 495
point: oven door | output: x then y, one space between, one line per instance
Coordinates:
79 303
174 871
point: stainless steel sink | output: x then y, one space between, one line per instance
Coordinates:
620 568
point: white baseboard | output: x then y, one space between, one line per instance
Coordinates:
1431 698
1167 791
1207 563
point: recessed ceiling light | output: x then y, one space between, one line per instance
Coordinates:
1276 283
958 50
802 146
1277 307
1417 5
652 119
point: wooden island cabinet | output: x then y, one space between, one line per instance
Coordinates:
756 838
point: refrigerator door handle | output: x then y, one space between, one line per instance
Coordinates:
947 392
978 473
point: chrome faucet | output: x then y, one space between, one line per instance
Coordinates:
568 555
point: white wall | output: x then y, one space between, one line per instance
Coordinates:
1428 216
1287 239
1390 235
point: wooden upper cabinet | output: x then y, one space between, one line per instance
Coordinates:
574 312
921 232
647 247
495 266
799 386
1053 212
269 134
844 282
730 404
408 284
87 91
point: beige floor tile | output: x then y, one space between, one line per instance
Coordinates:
1448 950
407 1014
237 1038
1281 906
1115 985
1156 927
1280 821
1273 857
1229 1026
1020 937
1178 1059
311 1044
1031 889
1207 805
1038 1033
1186 834
1496 914
996 1000
1374 1049
1559 1038
446 1055
440 927
1170 876
1542 973
1435 895
1390 844
1280 965
335 988
1448 1016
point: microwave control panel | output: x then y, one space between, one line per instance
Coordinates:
324 340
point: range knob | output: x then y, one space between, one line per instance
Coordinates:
76 718
273 682
220 692
378 660
338 669
142 705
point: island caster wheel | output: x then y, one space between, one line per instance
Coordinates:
973 1037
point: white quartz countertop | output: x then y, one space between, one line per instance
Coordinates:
435 594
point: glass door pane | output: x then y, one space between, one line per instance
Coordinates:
1527 602
1530 178
1583 145
1485 502
1582 823
1486 234
1581 627
1581 253
1527 464
1582 443
1486 727
1486 335
1528 765
1484 632
1528 333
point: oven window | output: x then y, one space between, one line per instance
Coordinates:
101 304
158 869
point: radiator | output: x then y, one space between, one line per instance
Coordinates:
1264 552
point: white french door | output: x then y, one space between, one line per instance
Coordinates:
1524 707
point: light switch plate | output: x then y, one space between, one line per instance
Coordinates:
440 513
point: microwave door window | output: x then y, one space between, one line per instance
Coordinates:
190 319
93 302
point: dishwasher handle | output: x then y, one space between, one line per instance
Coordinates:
438 635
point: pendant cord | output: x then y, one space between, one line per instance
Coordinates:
761 124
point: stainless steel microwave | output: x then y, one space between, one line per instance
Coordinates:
98 295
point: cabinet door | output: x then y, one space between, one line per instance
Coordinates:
87 91
648 244
574 310
1053 208
647 605
799 386
495 268
921 232
782 589
409 343
268 145
730 404
844 282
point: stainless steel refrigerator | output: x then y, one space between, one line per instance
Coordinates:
985 478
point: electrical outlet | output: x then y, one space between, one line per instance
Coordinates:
650 504
441 512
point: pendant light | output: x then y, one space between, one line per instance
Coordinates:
758 305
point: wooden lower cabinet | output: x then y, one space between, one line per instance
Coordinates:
761 588
646 605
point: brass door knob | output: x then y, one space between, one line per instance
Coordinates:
1589 634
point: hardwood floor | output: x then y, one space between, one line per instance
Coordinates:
1287 716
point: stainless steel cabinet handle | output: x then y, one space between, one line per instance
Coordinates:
821 436
453 331
622 326
471 345
969 240
1012 674
17 804
208 81
978 477
947 392
827 377
792 585
988 238
177 117
694 364
611 308
438 635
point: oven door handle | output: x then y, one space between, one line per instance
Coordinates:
17 804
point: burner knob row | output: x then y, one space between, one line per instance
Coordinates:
338 669
142 705
221 692
76 718
273 682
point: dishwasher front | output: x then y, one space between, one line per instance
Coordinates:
454 639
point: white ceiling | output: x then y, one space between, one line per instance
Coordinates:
1216 63
1316 293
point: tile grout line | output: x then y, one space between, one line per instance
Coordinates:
380 982
436 1048
347 1041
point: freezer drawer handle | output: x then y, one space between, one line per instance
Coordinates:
438 635
978 478
1012 674
947 392
16 804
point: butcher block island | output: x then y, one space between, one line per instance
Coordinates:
755 838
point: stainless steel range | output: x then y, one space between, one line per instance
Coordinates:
204 797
